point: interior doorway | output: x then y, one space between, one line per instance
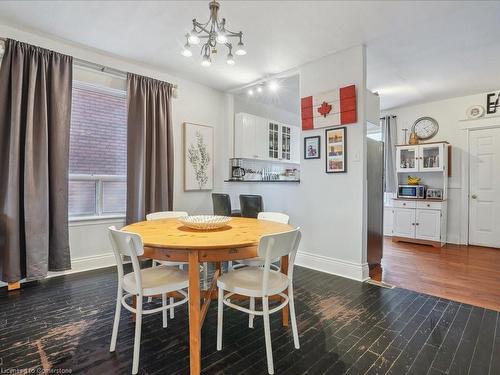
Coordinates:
484 187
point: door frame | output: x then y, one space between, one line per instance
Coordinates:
466 174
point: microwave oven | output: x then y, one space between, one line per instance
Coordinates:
411 191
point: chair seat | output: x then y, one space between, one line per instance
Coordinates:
248 281
157 280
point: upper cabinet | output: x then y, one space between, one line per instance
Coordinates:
259 138
430 157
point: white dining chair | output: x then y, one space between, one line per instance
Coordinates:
262 282
258 261
174 215
142 283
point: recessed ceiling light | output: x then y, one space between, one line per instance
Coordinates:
273 85
259 88
250 92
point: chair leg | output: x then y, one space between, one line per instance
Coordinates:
116 323
205 276
229 265
251 316
220 309
267 334
293 319
154 263
172 313
164 311
137 338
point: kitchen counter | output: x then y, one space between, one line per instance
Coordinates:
418 199
280 181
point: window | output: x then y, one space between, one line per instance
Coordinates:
98 152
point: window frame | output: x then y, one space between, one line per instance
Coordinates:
97 178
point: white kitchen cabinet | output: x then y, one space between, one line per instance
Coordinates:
249 136
404 222
422 221
407 158
263 139
428 225
431 157
426 157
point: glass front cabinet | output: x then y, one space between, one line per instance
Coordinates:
420 158
407 158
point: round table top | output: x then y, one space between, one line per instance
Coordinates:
172 234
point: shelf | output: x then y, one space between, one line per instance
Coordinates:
268 160
267 181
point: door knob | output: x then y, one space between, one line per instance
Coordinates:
473 196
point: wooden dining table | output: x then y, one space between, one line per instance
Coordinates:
170 240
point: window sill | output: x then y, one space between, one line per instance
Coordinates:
82 220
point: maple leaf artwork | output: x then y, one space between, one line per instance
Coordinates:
324 109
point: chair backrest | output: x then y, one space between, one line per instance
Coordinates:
274 216
251 205
273 246
221 204
129 244
166 215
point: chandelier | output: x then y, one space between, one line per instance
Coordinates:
214 33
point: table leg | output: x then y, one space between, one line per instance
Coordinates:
284 269
194 314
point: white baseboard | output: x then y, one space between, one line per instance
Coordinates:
83 264
351 270
89 263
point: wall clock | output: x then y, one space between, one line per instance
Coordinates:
425 128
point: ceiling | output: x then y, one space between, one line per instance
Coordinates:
416 51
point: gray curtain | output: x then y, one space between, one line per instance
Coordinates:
150 160
35 111
389 131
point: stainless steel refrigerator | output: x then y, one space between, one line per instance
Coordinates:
375 197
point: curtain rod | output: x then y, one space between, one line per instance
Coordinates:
98 67
391 116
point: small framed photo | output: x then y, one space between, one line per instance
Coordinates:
312 147
336 153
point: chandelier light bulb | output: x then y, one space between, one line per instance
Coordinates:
240 49
193 39
230 59
221 37
186 52
206 61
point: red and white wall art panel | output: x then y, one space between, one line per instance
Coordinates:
332 108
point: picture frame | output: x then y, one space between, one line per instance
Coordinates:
312 147
335 150
198 157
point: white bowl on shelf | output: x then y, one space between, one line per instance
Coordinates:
205 222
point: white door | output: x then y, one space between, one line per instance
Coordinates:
484 189
428 225
404 222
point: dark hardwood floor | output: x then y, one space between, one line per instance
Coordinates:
469 274
345 327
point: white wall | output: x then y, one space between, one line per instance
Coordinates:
248 105
329 208
332 207
450 115
195 103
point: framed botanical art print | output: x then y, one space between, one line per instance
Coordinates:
336 153
198 157
312 147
